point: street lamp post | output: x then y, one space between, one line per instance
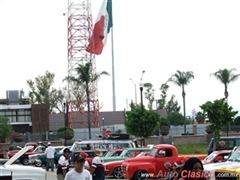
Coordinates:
65 123
135 91
103 131
141 90
103 122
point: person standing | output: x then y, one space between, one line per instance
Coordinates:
193 169
63 164
87 163
10 147
79 172
1 153
177 168
50 157
97 167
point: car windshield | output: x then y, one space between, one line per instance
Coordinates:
40 149
235 156
141 154
126 153
109 154
210 157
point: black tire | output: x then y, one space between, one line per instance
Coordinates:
138 175
38 163
25 161
117 172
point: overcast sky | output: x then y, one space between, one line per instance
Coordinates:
159 37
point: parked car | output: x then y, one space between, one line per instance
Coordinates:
231 166
225 143
113 152
127 153
41 159
37 149
114 167
217 156
16 172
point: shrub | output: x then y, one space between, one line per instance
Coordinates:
69 131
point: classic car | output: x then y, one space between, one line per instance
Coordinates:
17 172
113 152
156 164
215 170
127 153
217 156
114 167
37 149
104 144
41 159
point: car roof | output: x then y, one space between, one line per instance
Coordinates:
229 137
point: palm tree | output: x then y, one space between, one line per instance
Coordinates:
181 79
84 77
226 76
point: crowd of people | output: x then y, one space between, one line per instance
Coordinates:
82 168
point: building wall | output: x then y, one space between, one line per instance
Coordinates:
40 118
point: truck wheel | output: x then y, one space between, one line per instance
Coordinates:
25 161
38 163
141 175
117 172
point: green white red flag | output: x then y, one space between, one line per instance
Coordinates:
101 28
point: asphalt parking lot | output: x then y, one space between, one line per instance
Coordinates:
52 176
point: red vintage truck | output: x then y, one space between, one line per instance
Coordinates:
156 165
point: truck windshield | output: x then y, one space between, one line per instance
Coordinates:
153 152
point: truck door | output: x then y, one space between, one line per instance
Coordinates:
163 161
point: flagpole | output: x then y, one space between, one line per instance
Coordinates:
113 75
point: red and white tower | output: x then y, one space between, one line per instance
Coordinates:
80 26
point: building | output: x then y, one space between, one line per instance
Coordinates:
23 116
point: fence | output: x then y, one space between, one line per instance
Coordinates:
95 132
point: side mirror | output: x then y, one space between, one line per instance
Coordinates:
225 157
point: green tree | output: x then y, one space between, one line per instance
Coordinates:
200 117
236 121
226 76
142 124
42 92
162 102
84 78
172 105
5 129
149 94
182 79
176 118
219 114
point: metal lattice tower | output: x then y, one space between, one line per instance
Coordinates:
80 28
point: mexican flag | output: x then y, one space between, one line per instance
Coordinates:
101 28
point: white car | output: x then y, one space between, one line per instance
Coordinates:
19 171
233 160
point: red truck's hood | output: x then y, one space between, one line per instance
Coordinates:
139 159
